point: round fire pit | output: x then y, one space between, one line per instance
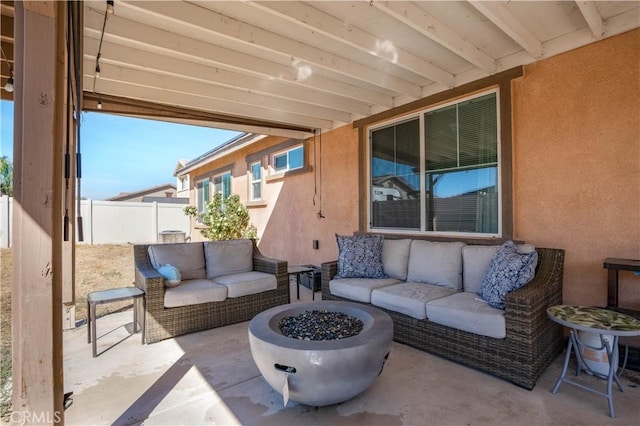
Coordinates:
320 372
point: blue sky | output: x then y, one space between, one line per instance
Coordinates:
122 154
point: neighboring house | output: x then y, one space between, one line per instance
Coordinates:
156 193
165 200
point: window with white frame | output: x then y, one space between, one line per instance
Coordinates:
222 185
202 194
438 171
256 181
290 159
183 183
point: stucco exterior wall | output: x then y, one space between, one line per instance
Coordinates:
295 222
238 181
576 151
576 173
289 220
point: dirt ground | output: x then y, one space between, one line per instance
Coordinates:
98 267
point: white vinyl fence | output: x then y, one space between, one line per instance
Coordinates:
115 222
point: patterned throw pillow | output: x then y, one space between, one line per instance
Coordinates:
360 256
509 270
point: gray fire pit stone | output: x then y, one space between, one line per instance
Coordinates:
320 372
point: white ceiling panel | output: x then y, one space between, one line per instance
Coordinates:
321 64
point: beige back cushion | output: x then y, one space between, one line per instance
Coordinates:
187 257
438 263
476 260
395 258
228 257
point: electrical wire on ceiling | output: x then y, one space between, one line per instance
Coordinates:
9 85
108 11
317 172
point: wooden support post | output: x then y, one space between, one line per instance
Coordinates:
38 385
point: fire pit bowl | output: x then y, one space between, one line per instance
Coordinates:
320 372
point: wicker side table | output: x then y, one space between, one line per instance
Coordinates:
297 270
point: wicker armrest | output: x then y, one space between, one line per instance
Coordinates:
269 265
328 271
147 278
526 308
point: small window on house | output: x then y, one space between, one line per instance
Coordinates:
202 194
222 185
288 160
184 183
256 181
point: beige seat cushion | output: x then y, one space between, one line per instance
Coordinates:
466 311
358 289
228 257
187 257
193 292
247 283
408 298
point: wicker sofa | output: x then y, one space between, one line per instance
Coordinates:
530 340
187 313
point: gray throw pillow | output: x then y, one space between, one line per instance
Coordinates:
508 271
360 256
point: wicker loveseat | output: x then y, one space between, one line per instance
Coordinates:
530 340
187 313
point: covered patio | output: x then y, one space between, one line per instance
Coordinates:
567 75
210 378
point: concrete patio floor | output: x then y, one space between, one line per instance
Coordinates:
210 378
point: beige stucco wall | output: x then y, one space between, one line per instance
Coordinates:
295 223
576 179
577 163
289 221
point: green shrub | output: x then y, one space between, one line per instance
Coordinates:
224 220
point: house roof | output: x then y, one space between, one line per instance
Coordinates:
227 147
266 67
123 196
165 200
180 164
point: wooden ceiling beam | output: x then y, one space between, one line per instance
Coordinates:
125 105
592 17
220 96
427 25
170 97
6 28
140 36
510 25
125 56
208 21
321 23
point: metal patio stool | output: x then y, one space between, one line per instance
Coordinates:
107 296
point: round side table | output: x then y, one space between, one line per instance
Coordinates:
593 320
